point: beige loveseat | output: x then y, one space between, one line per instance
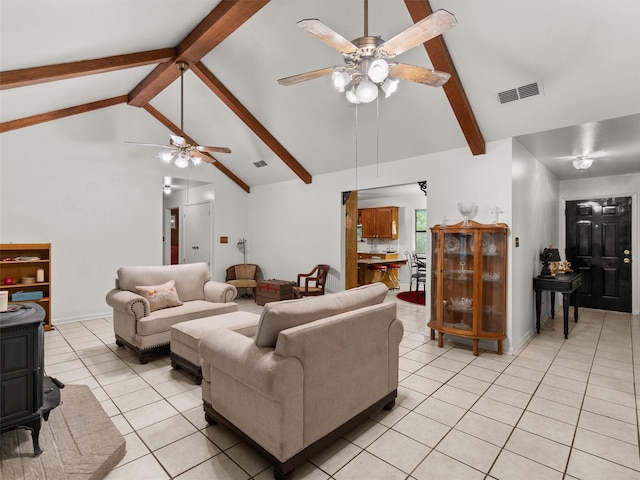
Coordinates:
147 331
316 367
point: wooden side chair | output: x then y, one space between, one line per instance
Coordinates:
312 283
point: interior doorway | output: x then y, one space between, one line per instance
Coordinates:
408 197
598 233
184 197
173 235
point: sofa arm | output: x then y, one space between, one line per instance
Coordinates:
129 303
256 367
219 292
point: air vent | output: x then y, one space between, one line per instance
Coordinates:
260 163
520 93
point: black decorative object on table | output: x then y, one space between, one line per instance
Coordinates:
547 256
27 395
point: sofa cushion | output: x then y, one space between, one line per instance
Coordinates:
190 333
160 296
278 316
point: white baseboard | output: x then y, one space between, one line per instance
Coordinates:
82 318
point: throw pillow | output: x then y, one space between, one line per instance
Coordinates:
160 296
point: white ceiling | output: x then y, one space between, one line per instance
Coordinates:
585 53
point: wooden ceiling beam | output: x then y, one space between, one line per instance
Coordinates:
221 22
49 73
215 162
441 60
217 87
57 114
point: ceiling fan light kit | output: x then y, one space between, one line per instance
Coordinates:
367 91
582 163
389 86
367 69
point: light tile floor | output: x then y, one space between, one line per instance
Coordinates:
559 409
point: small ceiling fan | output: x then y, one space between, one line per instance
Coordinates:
179 150
366 67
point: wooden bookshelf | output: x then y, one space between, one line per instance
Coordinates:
21 262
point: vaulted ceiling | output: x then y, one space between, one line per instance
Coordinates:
69 57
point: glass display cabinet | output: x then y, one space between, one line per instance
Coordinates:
469 282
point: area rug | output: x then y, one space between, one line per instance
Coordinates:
79 441
413 297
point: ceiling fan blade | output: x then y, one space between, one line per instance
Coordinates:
213 149
178 141
303 77
149 144
429 27
434 78
319 30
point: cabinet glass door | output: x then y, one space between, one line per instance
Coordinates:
434 276
458 276
492 282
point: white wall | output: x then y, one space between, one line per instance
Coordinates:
536 225
603 187
74 183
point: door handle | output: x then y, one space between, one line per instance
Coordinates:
627 252
626 260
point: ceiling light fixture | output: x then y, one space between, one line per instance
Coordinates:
582 162
364 80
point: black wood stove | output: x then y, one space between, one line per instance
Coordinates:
26 395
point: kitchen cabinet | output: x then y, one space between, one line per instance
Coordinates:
379 222
25 269
469 282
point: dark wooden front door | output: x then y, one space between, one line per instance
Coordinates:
599 247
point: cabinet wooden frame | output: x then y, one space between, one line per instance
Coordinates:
21 269
469 282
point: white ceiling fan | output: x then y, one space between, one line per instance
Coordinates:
366 58
179 150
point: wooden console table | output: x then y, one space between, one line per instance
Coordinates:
566 283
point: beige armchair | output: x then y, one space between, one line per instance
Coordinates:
316 367
244 275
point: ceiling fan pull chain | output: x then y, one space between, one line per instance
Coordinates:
378 137
356 129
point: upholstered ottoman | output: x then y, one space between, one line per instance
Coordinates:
185 337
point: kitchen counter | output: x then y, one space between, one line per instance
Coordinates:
378 255
365 274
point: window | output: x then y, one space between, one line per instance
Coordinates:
421 230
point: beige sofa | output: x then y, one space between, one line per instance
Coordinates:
147 331
316 367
